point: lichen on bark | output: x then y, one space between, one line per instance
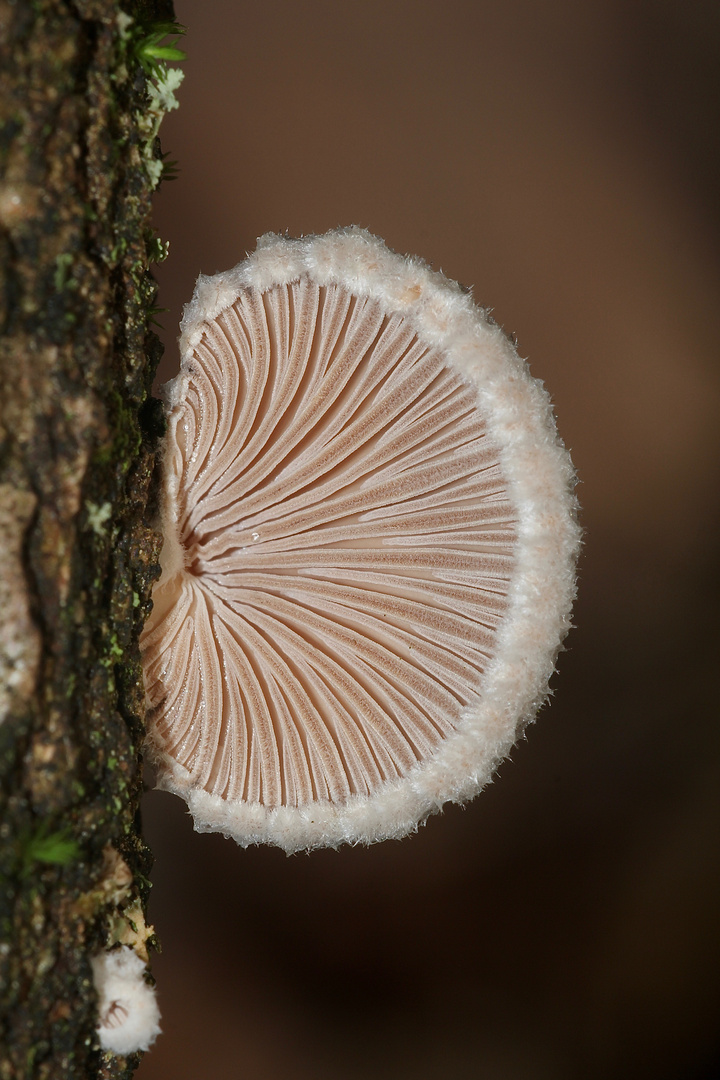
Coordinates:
78 439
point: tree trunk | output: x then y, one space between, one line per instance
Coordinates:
79 430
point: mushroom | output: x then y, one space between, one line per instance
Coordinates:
369 548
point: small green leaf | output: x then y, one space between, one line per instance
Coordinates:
163 52
152 54
54 848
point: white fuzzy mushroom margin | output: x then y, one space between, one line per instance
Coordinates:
540 480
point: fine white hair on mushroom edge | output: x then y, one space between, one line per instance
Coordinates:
129 1018
370 543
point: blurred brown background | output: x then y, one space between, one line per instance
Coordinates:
562 158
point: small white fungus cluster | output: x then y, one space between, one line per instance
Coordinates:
129 1018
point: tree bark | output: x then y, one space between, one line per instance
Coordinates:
78 441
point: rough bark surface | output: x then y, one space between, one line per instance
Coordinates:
77 558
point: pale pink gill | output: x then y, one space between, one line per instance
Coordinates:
349 546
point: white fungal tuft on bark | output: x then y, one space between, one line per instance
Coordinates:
128 1014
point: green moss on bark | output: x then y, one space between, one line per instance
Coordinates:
77 453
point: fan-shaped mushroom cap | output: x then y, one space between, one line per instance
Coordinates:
369 548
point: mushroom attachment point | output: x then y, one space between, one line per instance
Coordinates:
369 548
